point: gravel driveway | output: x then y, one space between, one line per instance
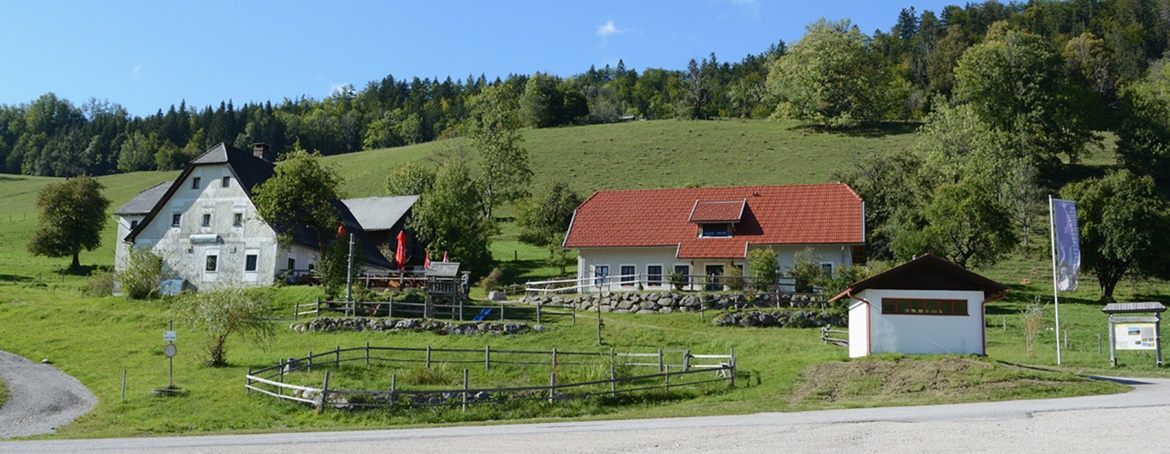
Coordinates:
41 398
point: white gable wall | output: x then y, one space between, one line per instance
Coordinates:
870 331
229 243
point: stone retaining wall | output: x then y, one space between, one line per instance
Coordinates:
326 324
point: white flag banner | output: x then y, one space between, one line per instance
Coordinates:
1068 243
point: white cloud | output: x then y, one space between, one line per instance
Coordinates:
608 28
136 72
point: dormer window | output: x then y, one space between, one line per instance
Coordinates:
715 230
717 218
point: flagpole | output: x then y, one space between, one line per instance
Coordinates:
1055 290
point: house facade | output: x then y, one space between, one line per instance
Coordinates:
639 238
925 306
206 228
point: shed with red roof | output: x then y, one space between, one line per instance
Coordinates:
638 237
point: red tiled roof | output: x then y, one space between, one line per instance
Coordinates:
774 215
717 211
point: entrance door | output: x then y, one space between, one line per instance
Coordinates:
713 273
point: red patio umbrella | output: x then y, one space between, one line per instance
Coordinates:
400 254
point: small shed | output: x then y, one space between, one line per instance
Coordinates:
925 306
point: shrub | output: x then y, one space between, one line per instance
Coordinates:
222 313
763 268
143 272
492 281
100 283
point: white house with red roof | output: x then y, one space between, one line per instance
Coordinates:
639 237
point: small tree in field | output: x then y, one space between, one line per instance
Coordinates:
141 274
222 313
763 268
73 214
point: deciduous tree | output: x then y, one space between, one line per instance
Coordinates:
221 314
1121 219
72 216
494 129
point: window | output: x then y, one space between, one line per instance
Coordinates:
250 262
716 230
713 273
911 306
292 264
654 275
628 275
682 275
600 274
827 269
238 220
227 182
195 183
212 264
133 225
175 219
207 220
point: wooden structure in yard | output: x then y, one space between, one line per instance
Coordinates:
1135 333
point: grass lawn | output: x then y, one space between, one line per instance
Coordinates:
42 314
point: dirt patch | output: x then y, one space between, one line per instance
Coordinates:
919 380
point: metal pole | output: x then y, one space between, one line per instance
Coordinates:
123 385
1055 292
171 363
349 272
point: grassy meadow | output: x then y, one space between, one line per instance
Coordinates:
44 315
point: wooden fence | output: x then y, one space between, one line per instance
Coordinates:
827 333
669 368
460 312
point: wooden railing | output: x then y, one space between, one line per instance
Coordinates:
687 370
827 333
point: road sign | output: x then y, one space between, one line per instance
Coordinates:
169 336
170 350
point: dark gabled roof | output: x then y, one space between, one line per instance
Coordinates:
926 272
144 201
248 169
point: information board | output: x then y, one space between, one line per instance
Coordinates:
1134 336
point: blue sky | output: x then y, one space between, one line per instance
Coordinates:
148 55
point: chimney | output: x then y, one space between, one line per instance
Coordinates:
261 150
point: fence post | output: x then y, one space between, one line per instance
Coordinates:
280 390
317 310
554 356
537 312
487 358
612 380
337 357
324 392
552 387
575 314
501 312
660 360
428 364
367 354
686 360
393 389
465 390
732 367
248 381
296 309
310 361
666 382
390 312
124 375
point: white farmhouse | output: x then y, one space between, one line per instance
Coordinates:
205 225
925 306
626 239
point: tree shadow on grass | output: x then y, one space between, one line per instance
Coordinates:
868 130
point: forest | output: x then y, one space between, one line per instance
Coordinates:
1091 56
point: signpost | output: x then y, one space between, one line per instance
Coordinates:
170 351
1135 333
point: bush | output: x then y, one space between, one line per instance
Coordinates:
142 275
492 281
222 313
763 268
100 283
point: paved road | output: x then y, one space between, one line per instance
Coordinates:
1083 424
